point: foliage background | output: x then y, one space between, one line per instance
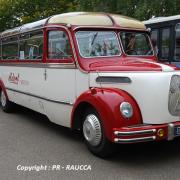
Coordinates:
16 12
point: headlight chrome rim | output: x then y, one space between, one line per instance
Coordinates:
126 110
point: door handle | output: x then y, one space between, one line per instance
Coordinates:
45 74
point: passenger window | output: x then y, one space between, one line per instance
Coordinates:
31 46
165 43
0 50
177 43
10 48
136 43
154 39
58 45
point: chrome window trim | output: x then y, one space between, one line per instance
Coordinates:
120 52
144 32
65 59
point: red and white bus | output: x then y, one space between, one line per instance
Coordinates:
94 72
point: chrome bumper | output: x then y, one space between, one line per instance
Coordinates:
134 140
129 133
144 133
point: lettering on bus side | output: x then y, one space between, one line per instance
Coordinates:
14 78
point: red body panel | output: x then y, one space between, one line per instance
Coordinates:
118 63
2 86
106 102
167 135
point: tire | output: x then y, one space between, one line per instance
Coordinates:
6 105
94 135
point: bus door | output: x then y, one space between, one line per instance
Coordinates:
165 39
59 75
177 44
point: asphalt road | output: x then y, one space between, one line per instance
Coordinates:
28 138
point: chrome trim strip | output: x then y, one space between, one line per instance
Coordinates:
56 26
112 79
170 131
107 27
142 139
19 32
40 97
40 65
129 133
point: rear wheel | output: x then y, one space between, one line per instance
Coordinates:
6 105
94 135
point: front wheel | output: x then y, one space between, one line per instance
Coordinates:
6 105
94 135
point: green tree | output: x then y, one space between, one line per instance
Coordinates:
157 8
16 12
33 10
8 18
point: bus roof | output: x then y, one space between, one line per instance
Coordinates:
81 19
161 19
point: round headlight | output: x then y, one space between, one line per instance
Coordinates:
126 109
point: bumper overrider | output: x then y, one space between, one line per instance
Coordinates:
146 132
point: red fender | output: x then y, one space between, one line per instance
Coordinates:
107 102
2 86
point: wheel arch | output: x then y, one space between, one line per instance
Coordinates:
106 102
78 113
2 88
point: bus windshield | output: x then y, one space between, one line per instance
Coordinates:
97 44
136 43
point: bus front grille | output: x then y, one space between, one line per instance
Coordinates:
174 96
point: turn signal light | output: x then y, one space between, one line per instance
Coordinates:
160 133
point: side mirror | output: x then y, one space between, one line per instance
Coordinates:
156 52
149 30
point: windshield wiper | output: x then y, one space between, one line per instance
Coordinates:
94 37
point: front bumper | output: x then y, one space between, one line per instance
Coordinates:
145 132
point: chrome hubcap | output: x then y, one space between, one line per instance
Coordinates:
3 99
92 130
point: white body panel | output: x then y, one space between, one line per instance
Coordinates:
149 89
53 91
82 82
50 91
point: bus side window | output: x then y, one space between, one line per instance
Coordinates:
58 45
10 48
31 46
0 50
165 43
177 42
154 39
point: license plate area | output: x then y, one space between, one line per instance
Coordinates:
177 131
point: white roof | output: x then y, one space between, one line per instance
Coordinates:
161 19
80 19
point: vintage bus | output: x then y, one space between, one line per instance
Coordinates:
165 34
93 72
